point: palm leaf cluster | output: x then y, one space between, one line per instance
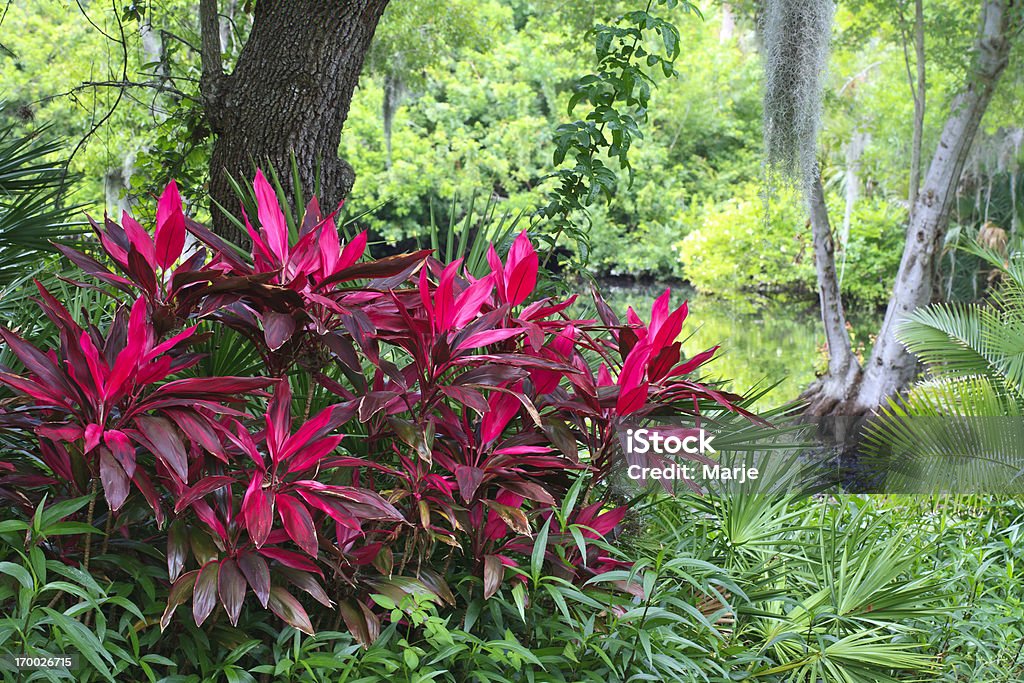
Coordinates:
959 429
32 210
827 592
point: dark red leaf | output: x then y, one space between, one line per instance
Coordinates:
469 479
285 606
306 582
385 267
494 574
356 622
198 429
529 489
163 438
213 386
470 398
291 559
143 483
257 573
180 592
204 597
205 487
113 478
231 588
122 450
177 548
278 328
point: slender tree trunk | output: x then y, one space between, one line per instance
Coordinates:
289 94
152 45
833 390
891 368
919 89
393 90
854 152
728 27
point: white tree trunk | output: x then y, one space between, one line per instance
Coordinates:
854 151
891 367
728 27
836 387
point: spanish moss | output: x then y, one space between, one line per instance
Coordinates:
795 36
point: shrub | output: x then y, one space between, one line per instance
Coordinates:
443 420
748 245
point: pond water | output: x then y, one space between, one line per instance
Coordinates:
764 341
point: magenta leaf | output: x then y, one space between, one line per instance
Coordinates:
258 510
298 523
170 227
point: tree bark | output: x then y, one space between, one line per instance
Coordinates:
919 90
891 368
288 95
832 391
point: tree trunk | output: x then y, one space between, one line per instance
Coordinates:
891 368
831 392
289 94
854 151
919 88
728 27
392 97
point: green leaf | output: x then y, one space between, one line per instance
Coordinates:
21 574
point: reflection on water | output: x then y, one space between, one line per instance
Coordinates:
773 341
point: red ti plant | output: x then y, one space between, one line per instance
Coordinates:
150 266
292 307
100 397
283 501
472 406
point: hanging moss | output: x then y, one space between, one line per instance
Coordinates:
795 43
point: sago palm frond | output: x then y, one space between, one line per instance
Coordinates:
959 430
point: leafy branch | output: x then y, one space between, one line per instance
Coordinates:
617 94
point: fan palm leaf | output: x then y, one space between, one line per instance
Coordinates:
951 431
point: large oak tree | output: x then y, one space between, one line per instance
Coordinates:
289 94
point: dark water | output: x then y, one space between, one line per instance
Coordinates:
764 341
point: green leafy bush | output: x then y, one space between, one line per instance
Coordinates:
753 244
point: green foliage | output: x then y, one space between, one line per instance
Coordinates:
751 244
953 431
56 609
33 210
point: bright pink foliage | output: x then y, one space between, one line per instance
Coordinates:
462 405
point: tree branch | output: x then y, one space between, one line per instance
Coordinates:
123 43
209 27
213 80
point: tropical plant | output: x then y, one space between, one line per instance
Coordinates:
470 404
32 207
951 431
